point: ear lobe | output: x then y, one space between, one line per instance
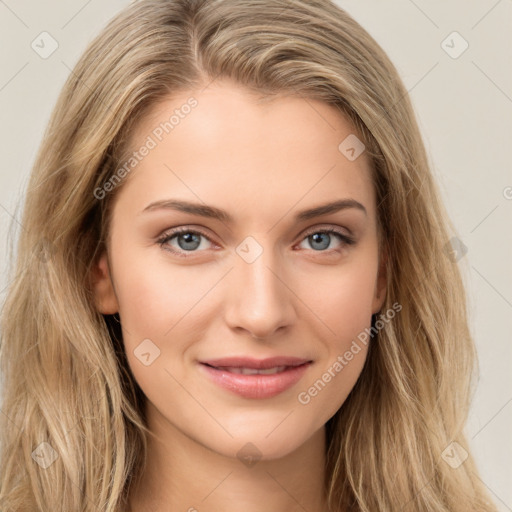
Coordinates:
104 295
381 283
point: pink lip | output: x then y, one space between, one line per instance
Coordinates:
256 386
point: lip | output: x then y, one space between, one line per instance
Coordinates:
259 364
255 386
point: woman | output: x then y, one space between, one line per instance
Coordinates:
233 280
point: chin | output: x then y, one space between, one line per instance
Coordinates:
252 444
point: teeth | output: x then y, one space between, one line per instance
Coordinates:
254 371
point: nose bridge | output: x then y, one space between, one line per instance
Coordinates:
260 302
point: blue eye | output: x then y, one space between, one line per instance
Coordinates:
321 239
190 240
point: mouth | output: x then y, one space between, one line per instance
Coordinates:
252 371
256 379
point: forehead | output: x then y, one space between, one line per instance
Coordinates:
224 145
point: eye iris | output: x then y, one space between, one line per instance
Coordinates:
316 237
189 239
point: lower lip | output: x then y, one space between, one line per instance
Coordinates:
256 386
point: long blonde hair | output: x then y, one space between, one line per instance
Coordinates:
65 377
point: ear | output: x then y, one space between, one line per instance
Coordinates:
381 283
104 295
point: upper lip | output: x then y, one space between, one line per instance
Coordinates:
258 364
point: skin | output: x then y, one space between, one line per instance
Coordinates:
263 163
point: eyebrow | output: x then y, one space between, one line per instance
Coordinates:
212 212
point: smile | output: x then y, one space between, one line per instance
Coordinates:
255 383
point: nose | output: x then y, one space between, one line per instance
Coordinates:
260 300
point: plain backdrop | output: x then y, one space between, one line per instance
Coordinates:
461 87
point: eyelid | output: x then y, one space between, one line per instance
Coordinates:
329 228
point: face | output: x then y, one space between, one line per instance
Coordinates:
220 248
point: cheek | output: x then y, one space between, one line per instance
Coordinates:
345 307
342 298
145 304
154 310
161 307
154 295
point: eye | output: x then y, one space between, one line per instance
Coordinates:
187 240
183 240
321 239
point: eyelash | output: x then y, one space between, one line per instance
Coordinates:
166 237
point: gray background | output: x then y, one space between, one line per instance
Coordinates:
464 106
